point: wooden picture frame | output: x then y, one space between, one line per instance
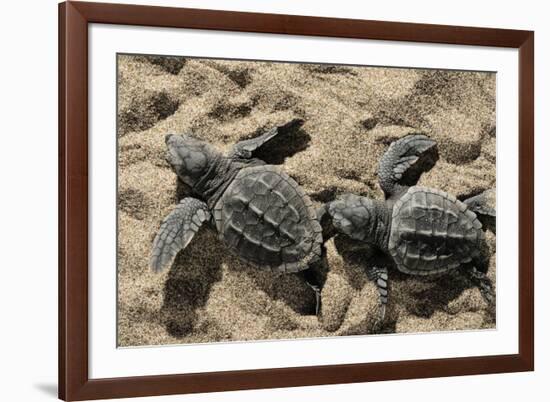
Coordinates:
74 381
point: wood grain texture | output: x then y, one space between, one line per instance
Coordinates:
73 201
298 25
74 382
526 201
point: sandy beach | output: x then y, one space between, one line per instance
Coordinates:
351 116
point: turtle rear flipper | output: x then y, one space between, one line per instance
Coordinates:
176 231
481 205
480 279
404 161
246 148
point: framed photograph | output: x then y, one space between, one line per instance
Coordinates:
260 200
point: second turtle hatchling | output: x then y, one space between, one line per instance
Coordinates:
424 231
258 211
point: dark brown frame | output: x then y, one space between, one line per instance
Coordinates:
74 383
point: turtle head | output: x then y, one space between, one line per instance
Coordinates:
361 218
189 157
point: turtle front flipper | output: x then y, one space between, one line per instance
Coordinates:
404 161
245 149
176 231
379 275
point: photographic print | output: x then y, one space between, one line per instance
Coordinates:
265 200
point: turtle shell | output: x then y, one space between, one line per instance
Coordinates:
432 232
268 220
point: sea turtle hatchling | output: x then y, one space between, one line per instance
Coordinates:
425 231
258 211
